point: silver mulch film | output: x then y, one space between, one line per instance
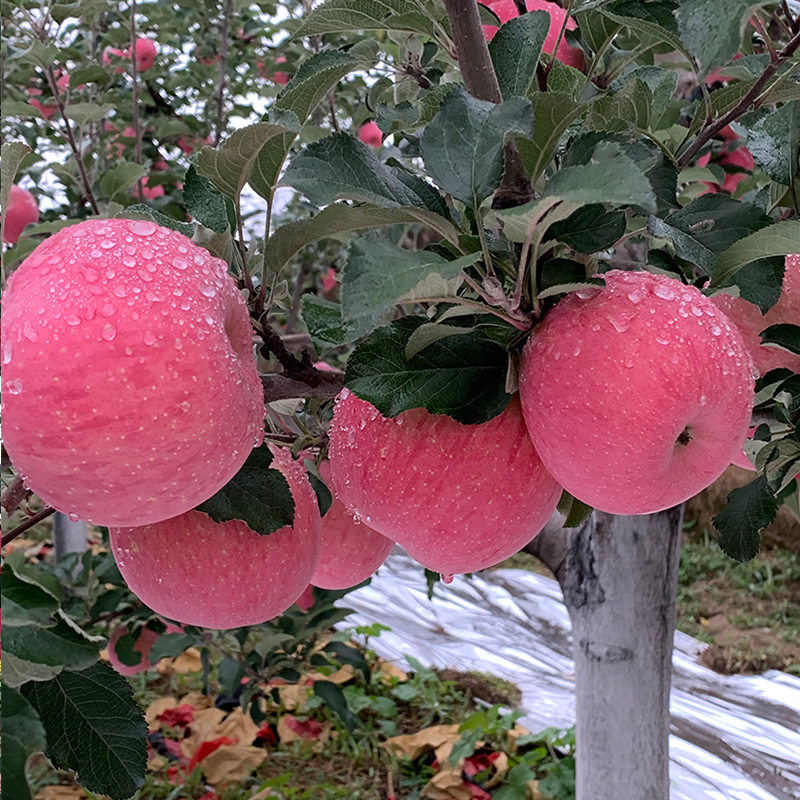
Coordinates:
733 737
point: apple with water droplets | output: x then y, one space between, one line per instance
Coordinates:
351 550
458 498
223 574
130 392
23 210
636 395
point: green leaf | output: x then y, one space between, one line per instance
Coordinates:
95 728
171 645
340 166
84 113
378 274
333 697
760 282
749 510
660 82
204 202
257 494
553 113
629 107
774 141
707 226
25 603
338 218
311 83
142 211
590 228
785 336
463 145
655 19
121 178
13 153
323 493
324 322
406 117
23 735
777 240
90 74
337 16
712 32
461 376
235 163
56 645
515 51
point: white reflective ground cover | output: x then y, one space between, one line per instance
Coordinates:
733 737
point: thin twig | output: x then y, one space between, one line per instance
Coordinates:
223 62
279 387
27 525
137 129
713 128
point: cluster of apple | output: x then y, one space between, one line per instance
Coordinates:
131 395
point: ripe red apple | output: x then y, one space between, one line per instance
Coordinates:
750 321
23 210
507 9
278 77
371 134
130 387
146 53
351 550
150 192
738 165
458 498
636 395
223 575
143 644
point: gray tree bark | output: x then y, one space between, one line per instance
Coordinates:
619 576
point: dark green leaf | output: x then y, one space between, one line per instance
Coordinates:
760 282
25 602
340 166
463 145
125 652
171 645
785 336
655 19
336 16
257 494
462 376
204 202
324 322
515 51
323 493
590 228
630 107
230 672
23 735
774 141
121 178
95 728
750 509
334 699
91 74
377 275
345 654
55 646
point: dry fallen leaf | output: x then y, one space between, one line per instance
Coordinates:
294 696
205 727
513 735
447 785
533 790
413 745
197 700
232 762
61 793
156 708
386 671
188 661
238 726
287 735
341 676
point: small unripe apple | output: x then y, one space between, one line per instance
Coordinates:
130 389
223 574
750 321
23 210
351 550
371 134
458 498
566 53
636 395
144 643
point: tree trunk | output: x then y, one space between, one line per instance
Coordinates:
620 577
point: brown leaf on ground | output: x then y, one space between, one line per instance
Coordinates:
61 793
288 735
513 735
155 709
447 785
385 670
238 726
413 745
204 728
188 661
294 696
232 762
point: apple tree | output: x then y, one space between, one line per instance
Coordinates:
538 259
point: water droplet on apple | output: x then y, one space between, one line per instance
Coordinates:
698 312
149 338
664 292
180 263
630 362
446 577
91 275
143 227
577 350
96 254
178 344
185 405
620 324
109 332
208 290
107 244
7 351
636 295
108 310
663 338
73 320
73 517
716 330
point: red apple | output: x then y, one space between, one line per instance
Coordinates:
278 77
143 644
738 165
507 9
223 575
371 134
145 54
130 387
150 192
751 322
458 498
351 550
637 395
23 210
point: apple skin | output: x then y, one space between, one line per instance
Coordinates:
458 498
740 160
750 322
613 378
23 210
130 392
144 643
371 134
223 574
566 54
351 551
146 53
